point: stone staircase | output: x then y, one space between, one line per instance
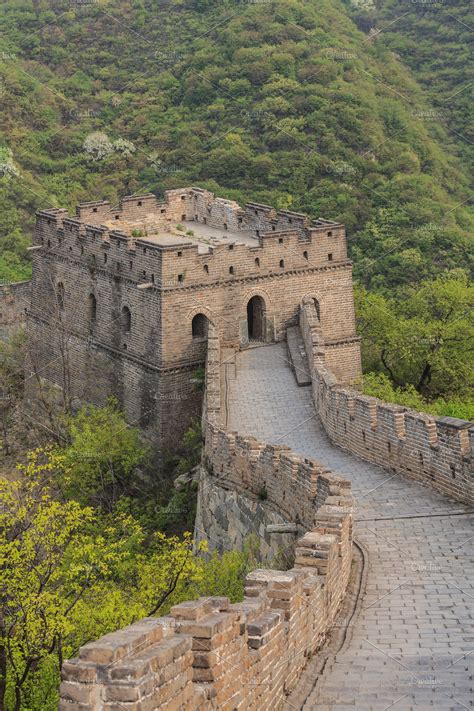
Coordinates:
297 356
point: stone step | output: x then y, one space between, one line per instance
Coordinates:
297 356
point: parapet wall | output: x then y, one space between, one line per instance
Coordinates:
210 654
436 451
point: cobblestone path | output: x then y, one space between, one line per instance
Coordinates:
409 647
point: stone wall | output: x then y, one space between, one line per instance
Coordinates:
212 655
436 451
98 257
14 300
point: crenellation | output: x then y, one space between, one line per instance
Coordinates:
434 451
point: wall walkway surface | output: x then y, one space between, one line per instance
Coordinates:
210 654
410 644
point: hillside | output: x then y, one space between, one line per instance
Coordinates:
281 102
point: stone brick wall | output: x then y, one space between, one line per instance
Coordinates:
436 451
212 655
14 300
98 255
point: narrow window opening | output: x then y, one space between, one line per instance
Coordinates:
305 254
126 320
60 295
231 246
329 234
257 262
206 269
180 277
139 203
92 307
105 257
180 254
231 270
282 263
94 209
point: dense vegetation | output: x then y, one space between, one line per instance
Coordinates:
72 571
333 108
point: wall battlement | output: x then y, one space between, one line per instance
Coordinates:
208 655
229 242
436 451
133 295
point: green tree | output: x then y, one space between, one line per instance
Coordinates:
102 459
50 558
426 339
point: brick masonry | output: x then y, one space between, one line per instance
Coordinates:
210 654
14 300
87 270
436 451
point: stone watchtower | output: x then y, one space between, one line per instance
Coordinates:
122 296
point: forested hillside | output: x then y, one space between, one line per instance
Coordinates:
342 109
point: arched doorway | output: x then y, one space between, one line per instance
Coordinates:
199 326
256 318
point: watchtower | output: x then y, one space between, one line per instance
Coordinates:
122 296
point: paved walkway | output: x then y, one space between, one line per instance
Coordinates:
409 647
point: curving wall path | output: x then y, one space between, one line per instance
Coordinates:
410 643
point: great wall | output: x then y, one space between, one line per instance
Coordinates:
291 453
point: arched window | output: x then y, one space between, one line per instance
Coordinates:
92 307
199 326
126 321
257 262
282 263
60 295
